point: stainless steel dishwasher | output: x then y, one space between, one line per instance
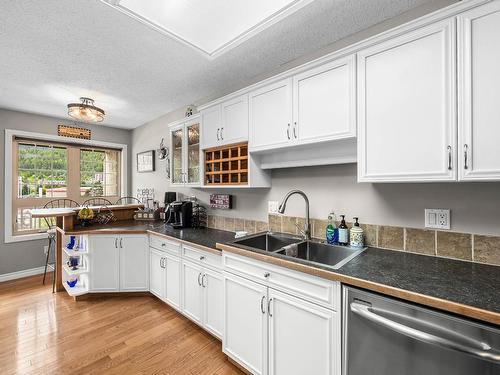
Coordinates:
384 336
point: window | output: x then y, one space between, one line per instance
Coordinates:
43 171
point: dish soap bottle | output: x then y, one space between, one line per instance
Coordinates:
343 232
357 235
332 233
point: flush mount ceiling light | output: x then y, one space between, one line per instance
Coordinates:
210 27
86 111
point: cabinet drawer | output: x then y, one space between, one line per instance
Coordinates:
202 257
163 244
321 291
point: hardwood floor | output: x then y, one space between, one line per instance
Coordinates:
45 333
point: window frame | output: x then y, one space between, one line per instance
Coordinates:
73 146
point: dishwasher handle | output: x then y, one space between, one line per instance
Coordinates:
485 353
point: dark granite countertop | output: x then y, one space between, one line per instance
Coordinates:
472 284
461 287
205 237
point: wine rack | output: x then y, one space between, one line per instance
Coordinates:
227 165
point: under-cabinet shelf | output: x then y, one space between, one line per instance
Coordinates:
76 272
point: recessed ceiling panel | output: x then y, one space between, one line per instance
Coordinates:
211 26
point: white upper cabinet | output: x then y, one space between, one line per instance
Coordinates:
406 107
324 102
234 120
271 116
225 123
479 90
211 123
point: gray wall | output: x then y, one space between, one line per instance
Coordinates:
475 206
29 254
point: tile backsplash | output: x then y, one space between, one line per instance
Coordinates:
463 246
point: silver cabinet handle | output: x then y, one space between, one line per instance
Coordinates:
269 307
288 131
121 242
116 243
466 161
267 274
162 262
449 157
294 129
218 130
202 258
262 304
199 281
163 244
221 134
203 280
483 350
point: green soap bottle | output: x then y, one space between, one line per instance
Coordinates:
332 233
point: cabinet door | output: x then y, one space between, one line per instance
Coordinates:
192 291
134 263
303 338
324 102
177 154
479 90
271 116
104 264
234 120
245 323
213 302
156 273
173 281
210 124
406 104
192 153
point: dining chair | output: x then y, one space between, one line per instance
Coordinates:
51 232
97 202
128 200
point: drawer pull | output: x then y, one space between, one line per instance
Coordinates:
202 258
267 274
163 244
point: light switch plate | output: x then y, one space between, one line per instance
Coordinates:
272 207
437 218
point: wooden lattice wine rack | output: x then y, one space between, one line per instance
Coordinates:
227 165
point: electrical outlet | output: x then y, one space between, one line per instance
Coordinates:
45 249
437 218
272 207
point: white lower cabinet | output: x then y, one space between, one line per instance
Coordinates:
245 323
192 291
157 273
301 336
172 284
118 263
271 332
202 296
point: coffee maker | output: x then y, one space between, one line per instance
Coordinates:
180 214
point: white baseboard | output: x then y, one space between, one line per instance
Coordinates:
23 273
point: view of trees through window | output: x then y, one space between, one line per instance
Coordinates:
42 171
98 173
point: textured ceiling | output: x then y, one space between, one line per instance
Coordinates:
53 51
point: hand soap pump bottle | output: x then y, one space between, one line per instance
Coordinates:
343 232
332 233
357 234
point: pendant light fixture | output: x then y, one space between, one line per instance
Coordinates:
86 111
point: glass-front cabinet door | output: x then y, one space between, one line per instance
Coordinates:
193 153
185 152
177 140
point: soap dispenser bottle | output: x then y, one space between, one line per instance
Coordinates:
343 232
332 233
357 234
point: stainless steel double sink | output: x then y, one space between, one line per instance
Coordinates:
288 246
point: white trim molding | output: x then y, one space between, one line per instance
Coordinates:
22 273
10 134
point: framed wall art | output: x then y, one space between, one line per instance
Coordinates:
146 161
